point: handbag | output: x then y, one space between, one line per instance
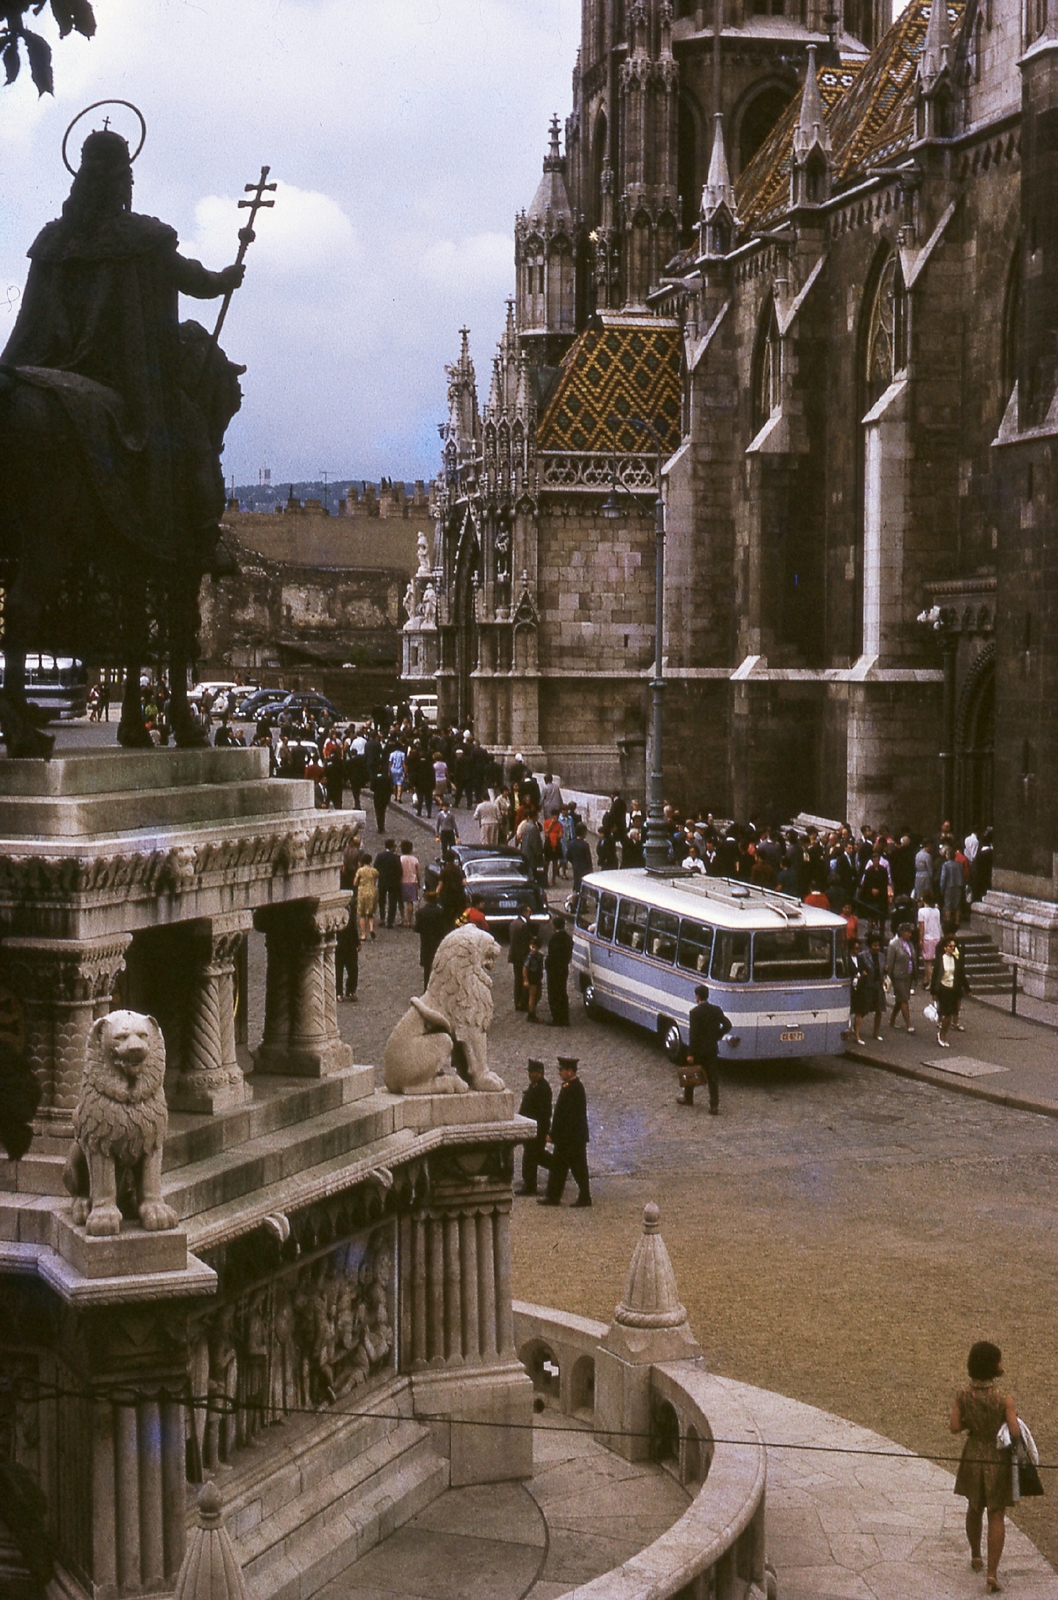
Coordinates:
931 1013
1024 1472
1028 1474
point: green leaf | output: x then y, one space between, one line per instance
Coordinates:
62 11
11 60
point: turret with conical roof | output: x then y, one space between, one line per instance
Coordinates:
544 251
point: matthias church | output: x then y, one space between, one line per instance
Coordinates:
795 268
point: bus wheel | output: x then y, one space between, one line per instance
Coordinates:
671 1042
589 1000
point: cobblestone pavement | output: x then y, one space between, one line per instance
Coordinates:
839 1234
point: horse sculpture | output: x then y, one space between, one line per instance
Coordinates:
56 515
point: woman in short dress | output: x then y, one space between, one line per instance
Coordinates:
929 932
984 1475
410 881
366 885
948 986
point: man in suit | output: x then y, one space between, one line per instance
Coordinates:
431 925
900 970
517 951
556 965
569 1138
708 1024
536 1103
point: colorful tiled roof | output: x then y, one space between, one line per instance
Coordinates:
870 113
763 188
629 368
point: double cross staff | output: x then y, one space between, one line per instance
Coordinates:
246 239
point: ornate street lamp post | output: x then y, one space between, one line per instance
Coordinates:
656 849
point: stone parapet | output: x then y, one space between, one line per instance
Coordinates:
1026 931
700 1428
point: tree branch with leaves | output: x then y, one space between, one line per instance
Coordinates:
71 16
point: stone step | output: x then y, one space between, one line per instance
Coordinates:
299 1188
84 772
120 812
281 1153
276 1103
324 1525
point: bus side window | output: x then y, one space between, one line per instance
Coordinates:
731 957
631 925
607 915
662 930
587 908
696 943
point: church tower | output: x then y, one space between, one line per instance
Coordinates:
651 78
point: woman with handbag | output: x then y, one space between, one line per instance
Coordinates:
984 1474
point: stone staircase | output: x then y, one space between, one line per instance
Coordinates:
345 1484
986 970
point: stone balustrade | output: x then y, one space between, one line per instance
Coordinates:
699 1431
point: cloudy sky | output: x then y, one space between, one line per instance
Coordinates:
404 135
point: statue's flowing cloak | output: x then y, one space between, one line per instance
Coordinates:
99 328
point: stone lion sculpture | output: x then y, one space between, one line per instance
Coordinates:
454 1014
120 1125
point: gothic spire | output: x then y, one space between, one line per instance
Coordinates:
551 201
938 47
811 132
718 190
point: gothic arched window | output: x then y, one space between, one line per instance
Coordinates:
886 353
767 386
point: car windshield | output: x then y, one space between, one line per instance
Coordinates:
495 867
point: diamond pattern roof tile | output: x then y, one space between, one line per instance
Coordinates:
620 372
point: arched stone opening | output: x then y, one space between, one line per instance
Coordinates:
582 1388
665 1434
541 1363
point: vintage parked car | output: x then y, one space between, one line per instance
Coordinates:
504 882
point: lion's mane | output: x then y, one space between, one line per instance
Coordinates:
460 985
122 1116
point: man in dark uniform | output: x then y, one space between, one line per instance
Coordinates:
536 1103
708 1024
556 965
569 1138
431 925
517 951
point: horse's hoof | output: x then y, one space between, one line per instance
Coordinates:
134 736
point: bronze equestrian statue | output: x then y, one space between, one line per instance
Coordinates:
112 418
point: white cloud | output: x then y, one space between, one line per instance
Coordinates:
304 231
404 134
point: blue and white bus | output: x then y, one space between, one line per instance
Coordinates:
58 684
780 969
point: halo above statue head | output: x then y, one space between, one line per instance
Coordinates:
94 107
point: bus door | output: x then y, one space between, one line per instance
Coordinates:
631 990
730 990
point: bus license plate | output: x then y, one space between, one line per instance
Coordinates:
792 1036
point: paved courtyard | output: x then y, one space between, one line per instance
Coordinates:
840 1235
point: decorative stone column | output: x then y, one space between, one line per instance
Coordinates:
63 986
458 1333
301 1005
210 1078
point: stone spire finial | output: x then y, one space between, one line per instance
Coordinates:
811 132
649 1322
553 159
550 204
718 189
937 48
210 1570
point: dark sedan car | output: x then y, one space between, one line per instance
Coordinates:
297 704
261 700
504 882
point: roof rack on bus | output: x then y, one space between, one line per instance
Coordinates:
744 896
